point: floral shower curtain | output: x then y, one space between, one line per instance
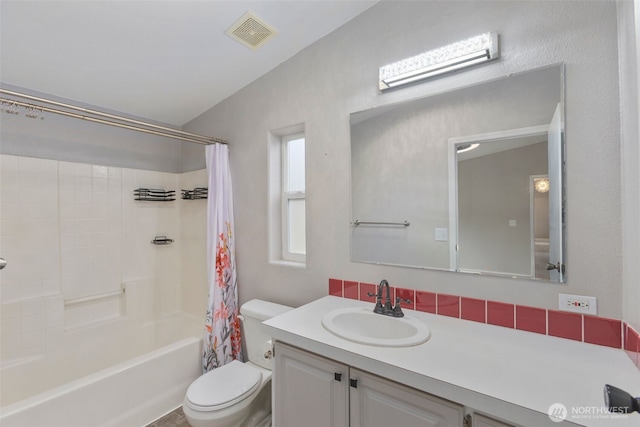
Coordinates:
222 341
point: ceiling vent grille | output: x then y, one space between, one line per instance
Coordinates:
251 31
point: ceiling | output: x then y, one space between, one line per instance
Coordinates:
166 61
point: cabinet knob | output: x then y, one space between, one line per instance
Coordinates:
337 376
353 382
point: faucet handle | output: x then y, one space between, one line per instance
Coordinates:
397 310
399 300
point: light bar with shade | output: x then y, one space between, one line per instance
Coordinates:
446 59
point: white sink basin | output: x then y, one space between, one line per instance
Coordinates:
363 326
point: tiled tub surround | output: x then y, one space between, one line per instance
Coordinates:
73 354
70 231
589 329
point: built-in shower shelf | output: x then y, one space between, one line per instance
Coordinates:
196 193
154 195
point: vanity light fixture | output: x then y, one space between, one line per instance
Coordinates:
453 57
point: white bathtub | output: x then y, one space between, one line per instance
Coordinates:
130 394
125 372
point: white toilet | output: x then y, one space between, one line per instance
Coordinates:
237 394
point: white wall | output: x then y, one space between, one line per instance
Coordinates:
629 37
336 76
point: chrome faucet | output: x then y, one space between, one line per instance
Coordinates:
379 308
387 309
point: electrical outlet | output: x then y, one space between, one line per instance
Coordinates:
578 304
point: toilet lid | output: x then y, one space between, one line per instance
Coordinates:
223 386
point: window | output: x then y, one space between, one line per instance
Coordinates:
287 197
294 246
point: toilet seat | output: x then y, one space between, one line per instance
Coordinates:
223 386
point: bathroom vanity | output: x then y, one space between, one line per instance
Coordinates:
465 373
330 393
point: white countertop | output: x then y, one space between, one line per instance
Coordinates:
511 374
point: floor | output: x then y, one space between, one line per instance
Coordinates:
172 419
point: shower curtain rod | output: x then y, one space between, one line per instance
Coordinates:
135 124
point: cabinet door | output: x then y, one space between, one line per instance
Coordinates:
309 390
376 402
480 420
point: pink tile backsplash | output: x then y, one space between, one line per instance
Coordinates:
473 309
632 344
589 329
564 325
407 294
500 314
426 301
448 305
531 319
351 289
602 331
335 287
365 289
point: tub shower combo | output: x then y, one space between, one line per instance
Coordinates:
102 290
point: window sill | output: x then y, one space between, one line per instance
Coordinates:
285 263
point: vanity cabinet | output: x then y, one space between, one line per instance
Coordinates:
315 391
309 390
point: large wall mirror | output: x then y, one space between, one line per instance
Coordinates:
469 180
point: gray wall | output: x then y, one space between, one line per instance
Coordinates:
336 76
63 138
493 190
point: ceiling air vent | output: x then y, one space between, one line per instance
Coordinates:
251 31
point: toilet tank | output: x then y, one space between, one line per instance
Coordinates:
255 312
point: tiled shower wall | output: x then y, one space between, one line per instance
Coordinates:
71 230
29 231
90 211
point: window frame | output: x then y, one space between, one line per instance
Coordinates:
287 196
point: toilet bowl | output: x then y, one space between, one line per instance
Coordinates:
237 394
227 396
